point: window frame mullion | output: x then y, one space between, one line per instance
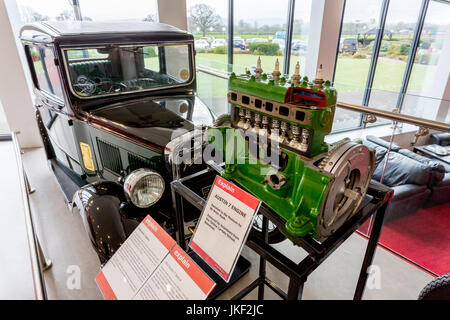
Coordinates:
412 54
289 34
375 54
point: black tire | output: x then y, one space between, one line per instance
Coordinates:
275 235
438 289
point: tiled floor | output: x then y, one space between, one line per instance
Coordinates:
65 242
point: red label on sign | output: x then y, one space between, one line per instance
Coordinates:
103 284
191 268
237 192
159 232
210 261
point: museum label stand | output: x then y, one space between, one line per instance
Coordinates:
375 204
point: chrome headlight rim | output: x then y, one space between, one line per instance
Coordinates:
132 180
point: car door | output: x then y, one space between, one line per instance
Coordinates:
51 99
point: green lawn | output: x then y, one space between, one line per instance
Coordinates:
351 74
210 86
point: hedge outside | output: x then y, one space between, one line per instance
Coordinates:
264 48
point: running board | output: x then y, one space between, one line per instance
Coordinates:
68 182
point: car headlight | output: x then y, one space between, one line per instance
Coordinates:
144 187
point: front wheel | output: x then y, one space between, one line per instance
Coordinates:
438 289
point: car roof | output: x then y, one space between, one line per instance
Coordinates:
77 32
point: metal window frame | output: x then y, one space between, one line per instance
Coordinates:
412 53
339 40
230 34
77 10
289 34
374 60
375 52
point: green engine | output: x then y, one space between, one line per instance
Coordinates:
273 144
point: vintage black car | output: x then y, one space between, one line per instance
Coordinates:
109 98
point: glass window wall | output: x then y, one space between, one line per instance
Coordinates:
259 30
395 47
359 27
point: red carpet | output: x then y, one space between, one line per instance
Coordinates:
422 237
365 227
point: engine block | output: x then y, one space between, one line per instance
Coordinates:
314 186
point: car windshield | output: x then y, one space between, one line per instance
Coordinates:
115 69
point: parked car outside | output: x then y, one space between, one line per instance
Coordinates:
202 44
219 43
280 42
239 43
348 45
109 100
298 45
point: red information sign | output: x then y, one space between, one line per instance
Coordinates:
149 265
224 226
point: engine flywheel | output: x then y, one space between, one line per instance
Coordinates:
351 166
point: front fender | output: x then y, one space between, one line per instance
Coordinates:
99 204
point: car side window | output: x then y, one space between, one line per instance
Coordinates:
45 70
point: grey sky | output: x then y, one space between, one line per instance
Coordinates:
261 11
97 9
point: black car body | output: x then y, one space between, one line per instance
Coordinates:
109 98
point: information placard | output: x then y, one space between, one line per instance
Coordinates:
177 278
224 226
147 262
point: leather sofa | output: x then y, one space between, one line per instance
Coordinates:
442 139
441 192
417 181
